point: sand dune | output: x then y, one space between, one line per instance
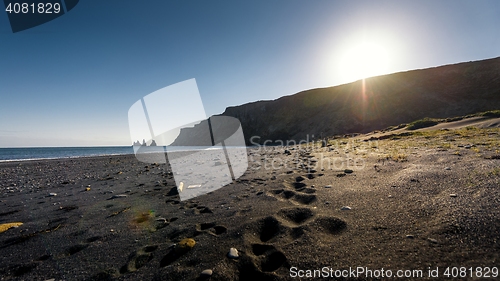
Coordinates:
480 122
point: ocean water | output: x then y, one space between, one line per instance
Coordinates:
37 153
34 153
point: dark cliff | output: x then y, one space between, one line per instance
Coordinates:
363 106
376 103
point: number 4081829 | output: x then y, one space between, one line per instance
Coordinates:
40 8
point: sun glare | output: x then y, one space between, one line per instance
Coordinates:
363 60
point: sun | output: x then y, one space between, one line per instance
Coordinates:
363 60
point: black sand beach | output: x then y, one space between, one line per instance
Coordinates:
417 201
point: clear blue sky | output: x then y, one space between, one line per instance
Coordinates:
71 81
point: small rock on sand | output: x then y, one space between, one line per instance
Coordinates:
233 253
6 226
346 208
432 240
117 196
447 168
348 171
453 195
184 246
52 194
206 272
328 186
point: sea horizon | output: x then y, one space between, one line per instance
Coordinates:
12 154
8 154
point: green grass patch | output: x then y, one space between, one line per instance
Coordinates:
491 113
423 123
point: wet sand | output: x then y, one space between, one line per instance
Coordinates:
404 203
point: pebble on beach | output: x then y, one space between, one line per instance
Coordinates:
432 240
163 220
6 226
184 245
117 196
207 272
346 208
233 253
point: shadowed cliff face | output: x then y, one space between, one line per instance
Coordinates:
374 104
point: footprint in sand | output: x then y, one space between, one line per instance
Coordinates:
305 217
268 258
292 223
211 228
138 259
296 215
263 262
197 209
81 246
270 228
296 192
305 198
